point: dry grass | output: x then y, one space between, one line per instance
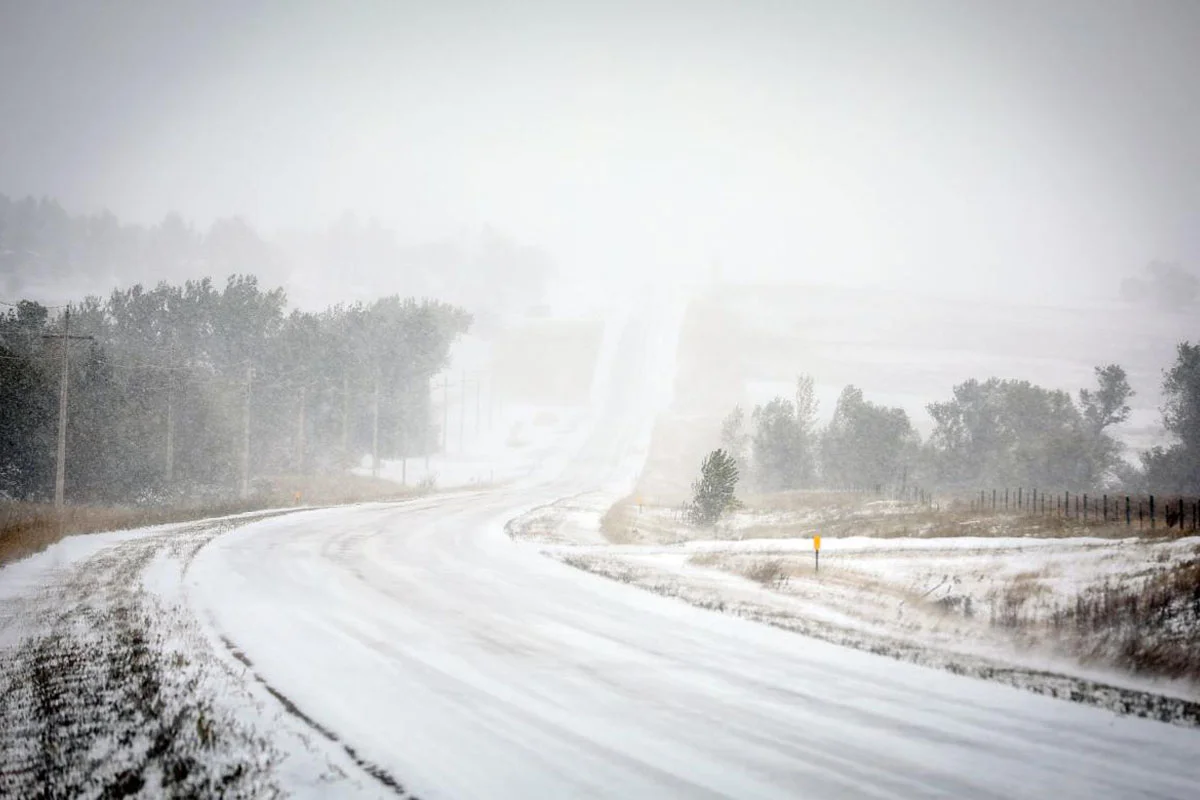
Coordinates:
858 514
709 558
1150 626
767 571
623 523
28 528
332 490
800 514
805 500
1011 604
619 523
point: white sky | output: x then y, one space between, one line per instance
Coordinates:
1047 146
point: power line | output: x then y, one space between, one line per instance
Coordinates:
155 367
34 302
196 373
197 378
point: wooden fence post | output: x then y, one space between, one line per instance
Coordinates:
1128 517
1151 512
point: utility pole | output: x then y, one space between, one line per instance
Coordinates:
445 409
426 443
246 431
462 412
375 432
300 431
60 474
401 433
170 470
402 443
346 414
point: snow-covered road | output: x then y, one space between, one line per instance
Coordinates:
470 666
465 664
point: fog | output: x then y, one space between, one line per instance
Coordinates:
963 148
893 200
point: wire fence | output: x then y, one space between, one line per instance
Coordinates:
1147 511
1170 511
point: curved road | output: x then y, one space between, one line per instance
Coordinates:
470 666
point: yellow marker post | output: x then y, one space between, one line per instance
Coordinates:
817 552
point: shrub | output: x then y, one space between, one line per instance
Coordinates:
767 571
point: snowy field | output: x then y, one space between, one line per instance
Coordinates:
113 683
1000 607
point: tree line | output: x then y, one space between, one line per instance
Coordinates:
995 432
44 250
163 395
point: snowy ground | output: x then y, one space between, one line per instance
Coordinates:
979 605
113 684
470 665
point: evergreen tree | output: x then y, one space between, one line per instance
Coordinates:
713 493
